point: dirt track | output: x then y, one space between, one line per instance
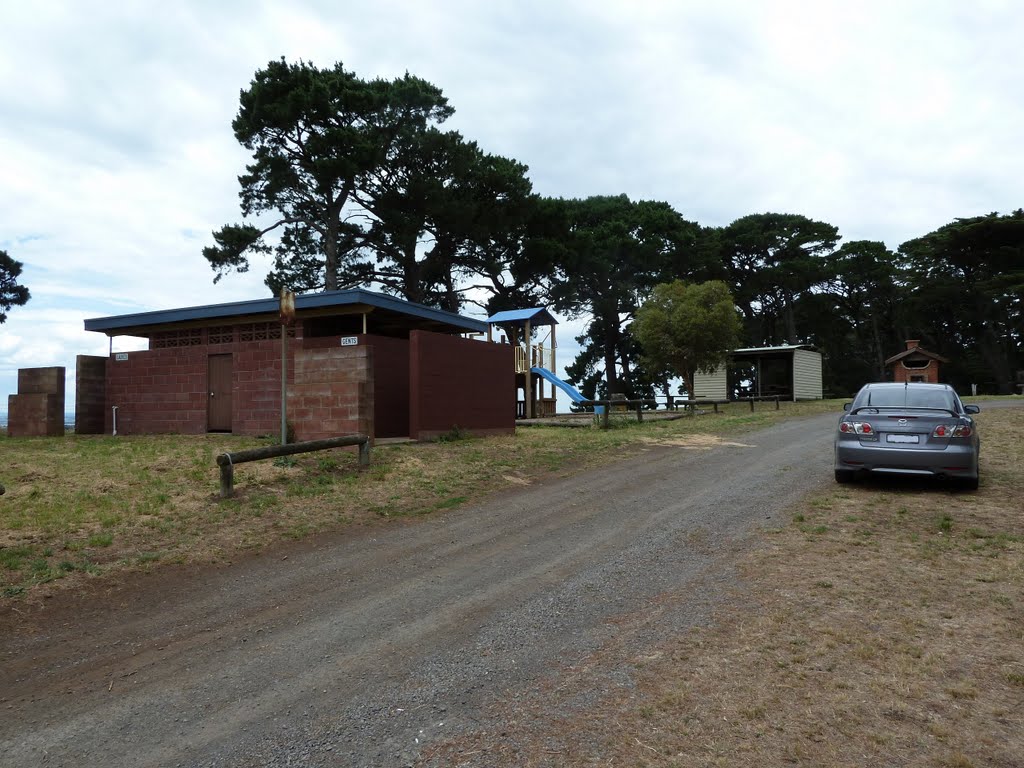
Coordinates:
367 648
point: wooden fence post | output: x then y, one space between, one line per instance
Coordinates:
227 480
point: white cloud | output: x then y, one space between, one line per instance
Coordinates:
885 119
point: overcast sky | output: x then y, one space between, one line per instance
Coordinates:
117 160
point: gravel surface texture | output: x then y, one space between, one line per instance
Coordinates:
373 646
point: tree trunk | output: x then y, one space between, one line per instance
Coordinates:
610 344
876 338
331 251
790 317
627 373
412 273
997 360
687 376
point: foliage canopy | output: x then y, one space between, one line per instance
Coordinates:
684 328
356 182
11 293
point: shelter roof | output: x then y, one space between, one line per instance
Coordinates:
918 352
753 351
536 316
389 310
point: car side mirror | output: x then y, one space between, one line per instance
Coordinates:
846 406
972 409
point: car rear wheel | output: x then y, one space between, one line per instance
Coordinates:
844 476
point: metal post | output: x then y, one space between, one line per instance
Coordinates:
284 384
287 318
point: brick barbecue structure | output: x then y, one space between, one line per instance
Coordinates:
357 361
915 364
38 408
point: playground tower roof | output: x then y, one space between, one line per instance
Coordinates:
536 316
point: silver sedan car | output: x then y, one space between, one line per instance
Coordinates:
908 429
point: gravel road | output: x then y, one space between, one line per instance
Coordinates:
367 648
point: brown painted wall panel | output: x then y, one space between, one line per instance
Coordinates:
456 382
390 385
90 394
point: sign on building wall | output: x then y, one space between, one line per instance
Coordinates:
121 356
349 341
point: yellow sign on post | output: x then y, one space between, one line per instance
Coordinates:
287 307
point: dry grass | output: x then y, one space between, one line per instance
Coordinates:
883 626
81 506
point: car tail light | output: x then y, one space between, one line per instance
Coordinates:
952 430
856 427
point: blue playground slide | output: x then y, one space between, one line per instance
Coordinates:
575 396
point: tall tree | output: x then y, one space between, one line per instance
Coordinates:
11 293
688 328
443 210
773 260
607 253
315 136
861 317
967 295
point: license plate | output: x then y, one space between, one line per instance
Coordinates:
902 439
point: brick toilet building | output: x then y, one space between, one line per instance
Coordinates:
357 362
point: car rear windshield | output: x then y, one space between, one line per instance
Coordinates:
906 397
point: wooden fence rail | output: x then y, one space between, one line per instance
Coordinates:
690 403
227 461
765 399
637 405
704 401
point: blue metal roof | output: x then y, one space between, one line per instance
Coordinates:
537 316
347 298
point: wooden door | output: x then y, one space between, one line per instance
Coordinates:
218 418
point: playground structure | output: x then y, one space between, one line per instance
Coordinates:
535 362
